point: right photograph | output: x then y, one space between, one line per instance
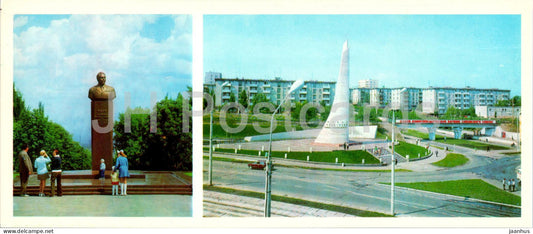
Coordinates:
362 116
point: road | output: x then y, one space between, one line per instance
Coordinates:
363 190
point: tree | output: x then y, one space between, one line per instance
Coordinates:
327 109
310 114
503 103
169 148
413 115
33 127
232 97
516 101
260 98
243 99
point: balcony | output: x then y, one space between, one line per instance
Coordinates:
253 90
252 85
266 90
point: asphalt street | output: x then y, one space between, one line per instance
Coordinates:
365 190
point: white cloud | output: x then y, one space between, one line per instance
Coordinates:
20 21
64 58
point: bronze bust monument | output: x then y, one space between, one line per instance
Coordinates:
101 96
101 91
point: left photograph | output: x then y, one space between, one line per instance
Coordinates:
102 115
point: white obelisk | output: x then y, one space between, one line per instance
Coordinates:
335 130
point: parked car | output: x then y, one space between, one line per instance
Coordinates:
259 165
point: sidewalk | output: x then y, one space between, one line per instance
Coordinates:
218 204
104 206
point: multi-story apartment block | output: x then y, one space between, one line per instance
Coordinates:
275 90
432 99
405 98
437 100
360 95
374 98
497 111
211 76
369 84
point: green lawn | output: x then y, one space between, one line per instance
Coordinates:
234 121
513 153
404 149
473 144
351 157
474 188
452 160
415 133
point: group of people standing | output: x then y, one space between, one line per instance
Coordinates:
119 173
41 167
510 183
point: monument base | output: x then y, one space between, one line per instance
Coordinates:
101 135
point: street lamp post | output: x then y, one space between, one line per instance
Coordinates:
268 183
211 147
518 131
392 170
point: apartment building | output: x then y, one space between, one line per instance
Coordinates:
274 89
497 111
369 84
437 100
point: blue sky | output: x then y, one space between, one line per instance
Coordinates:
481 51
57 57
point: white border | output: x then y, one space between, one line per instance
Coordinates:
200 7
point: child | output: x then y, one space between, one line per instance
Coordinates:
114 182
102 171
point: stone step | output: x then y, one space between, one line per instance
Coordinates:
106 190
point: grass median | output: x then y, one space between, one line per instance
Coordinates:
296 201
473 188
337 156
414 151
473 144
309 168
452 160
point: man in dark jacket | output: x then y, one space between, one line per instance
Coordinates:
25 169
56 173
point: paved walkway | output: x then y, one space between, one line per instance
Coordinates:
106 206
218 204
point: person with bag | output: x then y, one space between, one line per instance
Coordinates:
42 171
56 174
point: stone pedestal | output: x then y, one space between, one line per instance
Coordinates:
101 133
